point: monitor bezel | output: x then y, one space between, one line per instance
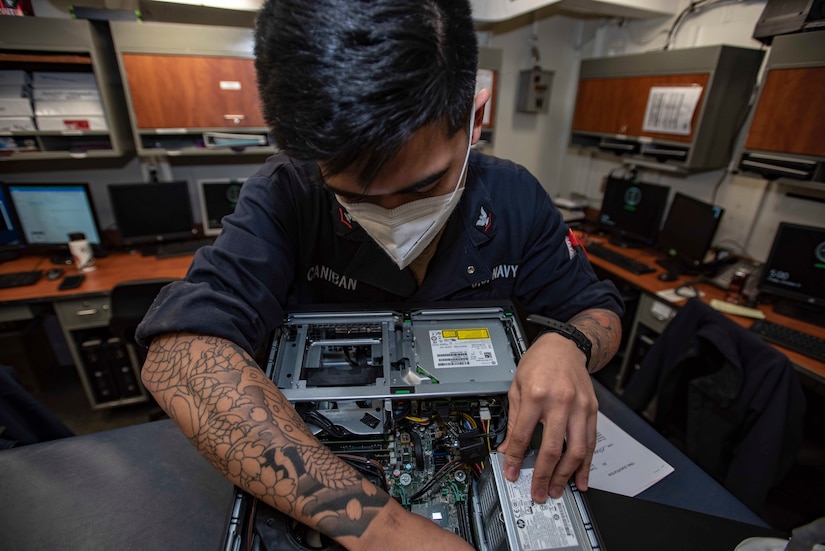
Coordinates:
201 185
11 249
766 286
150 238
665 248
55 246
625 237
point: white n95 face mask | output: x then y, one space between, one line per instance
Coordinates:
405 231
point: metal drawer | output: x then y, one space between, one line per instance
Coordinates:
82 313
654 313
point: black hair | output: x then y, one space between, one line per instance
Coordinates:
347 82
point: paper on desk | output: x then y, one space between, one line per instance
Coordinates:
621 464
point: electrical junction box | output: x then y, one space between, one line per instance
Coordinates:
534 91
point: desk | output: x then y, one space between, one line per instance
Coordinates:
649 284
146 487
83 314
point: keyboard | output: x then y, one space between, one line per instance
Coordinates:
170 249
625 262
20 279
805 344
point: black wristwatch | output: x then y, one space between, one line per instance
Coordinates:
564 329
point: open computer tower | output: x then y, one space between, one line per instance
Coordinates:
416 400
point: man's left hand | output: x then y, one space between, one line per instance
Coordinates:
552 386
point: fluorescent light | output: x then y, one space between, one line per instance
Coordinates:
241 5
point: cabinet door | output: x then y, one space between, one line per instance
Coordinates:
617 105
187 91
790 114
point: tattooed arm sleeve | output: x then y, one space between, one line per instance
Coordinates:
242 424
604 329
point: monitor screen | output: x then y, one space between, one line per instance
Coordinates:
689 228
632 211
11 238
152 212
217 199
796 264
48 213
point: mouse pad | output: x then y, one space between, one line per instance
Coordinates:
631 523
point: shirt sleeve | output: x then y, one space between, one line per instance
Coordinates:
556 279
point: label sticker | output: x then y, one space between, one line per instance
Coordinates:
539 526
470 347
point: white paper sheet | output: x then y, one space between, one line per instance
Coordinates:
621 464
670 109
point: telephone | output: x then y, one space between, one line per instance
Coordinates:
719 272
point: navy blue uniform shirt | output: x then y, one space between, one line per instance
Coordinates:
290 242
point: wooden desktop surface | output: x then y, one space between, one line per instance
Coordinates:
120 267
650 283
111 270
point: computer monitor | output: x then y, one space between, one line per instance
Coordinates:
48 213
688 233
632 211
217 199
795 272
11 238
152 212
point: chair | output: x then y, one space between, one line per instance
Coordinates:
129 302
23 418
731 401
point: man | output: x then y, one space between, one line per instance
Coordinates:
376 198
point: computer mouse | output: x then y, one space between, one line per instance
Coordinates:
668 276
54 273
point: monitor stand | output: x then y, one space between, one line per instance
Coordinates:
808 313
677 266
62 258
5 256
626 242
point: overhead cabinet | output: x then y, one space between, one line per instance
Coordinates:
786 136
58 97
675 110
191 89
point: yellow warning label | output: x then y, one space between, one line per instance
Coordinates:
481 333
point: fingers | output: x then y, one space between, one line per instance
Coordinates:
577 456
550 463
583 472
520 426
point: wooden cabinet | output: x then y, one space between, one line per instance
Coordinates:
675 110
32 46
191 89
206 92
617 105
786 136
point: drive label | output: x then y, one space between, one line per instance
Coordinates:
470 347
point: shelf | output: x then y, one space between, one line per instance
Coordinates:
38 44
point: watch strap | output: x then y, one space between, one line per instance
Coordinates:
567 330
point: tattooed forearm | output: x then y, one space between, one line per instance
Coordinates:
604 329
245 427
